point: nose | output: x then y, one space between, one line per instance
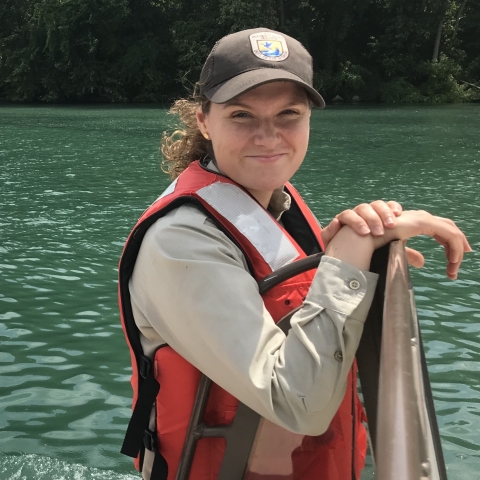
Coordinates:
267 134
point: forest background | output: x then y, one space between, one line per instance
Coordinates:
393 51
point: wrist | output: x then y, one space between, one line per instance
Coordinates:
354 249
409 224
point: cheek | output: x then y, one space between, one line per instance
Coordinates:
228 141
305 136
299 139
297 133
224 154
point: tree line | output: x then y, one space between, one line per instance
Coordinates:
150 50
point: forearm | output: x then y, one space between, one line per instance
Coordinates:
310 375
352 248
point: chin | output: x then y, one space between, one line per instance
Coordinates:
265 186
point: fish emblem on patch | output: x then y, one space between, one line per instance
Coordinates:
269 46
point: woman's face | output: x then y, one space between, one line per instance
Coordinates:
260 138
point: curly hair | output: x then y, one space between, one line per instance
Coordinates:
186 143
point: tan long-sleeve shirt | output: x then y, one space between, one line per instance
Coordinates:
191 288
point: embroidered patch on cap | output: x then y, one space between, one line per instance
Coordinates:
269 46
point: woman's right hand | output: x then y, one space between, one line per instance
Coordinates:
419 222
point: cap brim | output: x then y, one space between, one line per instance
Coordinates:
254 78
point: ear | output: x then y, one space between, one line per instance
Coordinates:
201 121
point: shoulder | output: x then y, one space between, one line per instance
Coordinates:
187 232
179 253
186 214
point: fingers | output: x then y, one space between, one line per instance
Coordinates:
454 255
355 221
387 211
414 257
395 207
330 231
467 247
454 242
371 217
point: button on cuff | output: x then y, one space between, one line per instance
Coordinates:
338 356
354 284
330 288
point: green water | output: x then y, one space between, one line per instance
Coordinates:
74 180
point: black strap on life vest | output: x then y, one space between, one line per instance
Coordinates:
138 435
139 421
289 271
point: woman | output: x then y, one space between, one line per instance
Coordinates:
188 276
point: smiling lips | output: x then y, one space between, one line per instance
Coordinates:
272 157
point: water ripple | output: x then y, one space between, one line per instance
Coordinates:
26 467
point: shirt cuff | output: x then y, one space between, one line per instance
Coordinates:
343 288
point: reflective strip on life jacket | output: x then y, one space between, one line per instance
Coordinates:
170 189
252 221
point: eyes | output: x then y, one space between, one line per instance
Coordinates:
289 112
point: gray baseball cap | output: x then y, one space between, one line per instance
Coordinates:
247 59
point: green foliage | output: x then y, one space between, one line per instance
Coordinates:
149 50
399 90
440 85
349 80
193 36
18 51
469 38
80 47
242 14
86 50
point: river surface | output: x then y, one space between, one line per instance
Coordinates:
74 180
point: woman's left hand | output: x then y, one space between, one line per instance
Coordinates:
371 218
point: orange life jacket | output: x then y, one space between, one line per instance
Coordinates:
170 382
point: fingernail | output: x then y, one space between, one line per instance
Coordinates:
377 230
364 230
389 221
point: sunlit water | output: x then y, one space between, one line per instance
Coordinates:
75 179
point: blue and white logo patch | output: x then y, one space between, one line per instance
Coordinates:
269 46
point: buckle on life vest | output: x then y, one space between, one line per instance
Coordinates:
144 366
149 440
